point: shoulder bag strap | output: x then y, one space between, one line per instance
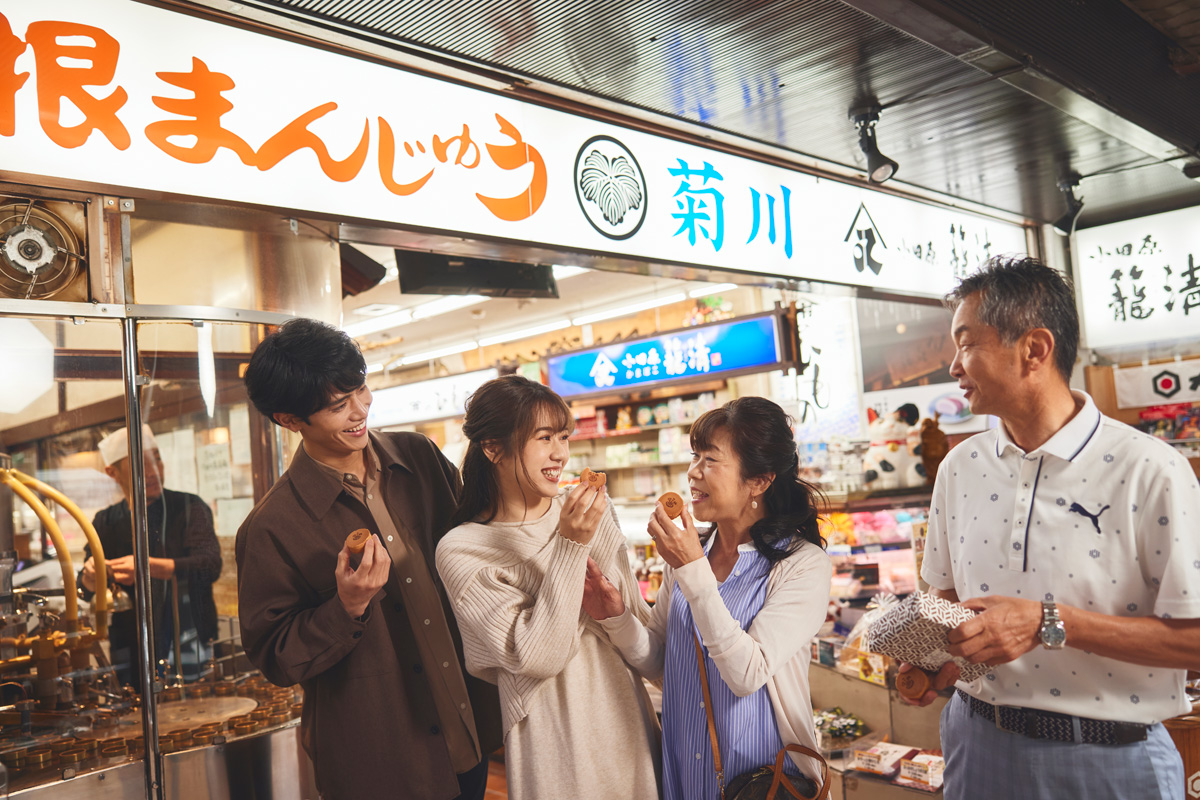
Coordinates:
708 711
822 792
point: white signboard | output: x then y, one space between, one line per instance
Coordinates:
214 471
427 400
122 94
1158 384
824 399
1139 280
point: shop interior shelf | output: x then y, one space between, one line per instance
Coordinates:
879 547
579 437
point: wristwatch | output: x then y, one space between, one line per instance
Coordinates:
1053 633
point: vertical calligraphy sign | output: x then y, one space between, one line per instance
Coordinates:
1139 280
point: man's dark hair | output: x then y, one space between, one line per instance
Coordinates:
1017 295
296 369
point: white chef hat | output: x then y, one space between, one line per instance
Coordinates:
115 446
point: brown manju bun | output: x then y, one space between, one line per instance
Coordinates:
356 542
672 503
593 479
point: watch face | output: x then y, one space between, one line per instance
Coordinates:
1054 635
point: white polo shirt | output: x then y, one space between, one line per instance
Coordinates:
1101 517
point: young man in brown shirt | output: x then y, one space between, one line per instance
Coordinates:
389 708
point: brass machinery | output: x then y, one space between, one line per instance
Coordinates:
62 711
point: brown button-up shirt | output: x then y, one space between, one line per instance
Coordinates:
414 581
372 722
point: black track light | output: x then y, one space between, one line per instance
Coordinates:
1066 223
880 168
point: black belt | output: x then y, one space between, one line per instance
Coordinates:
1038 724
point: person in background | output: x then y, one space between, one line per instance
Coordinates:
1073 536
388 708
754 588
578 722
183 546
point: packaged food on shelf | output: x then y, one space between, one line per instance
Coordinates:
923 771
883 758
838 730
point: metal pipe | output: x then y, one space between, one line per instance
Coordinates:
60 544
100 604
8 547
141 548
175 630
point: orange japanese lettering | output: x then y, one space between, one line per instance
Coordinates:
56 82
514 156
297 136
387 163
465 145
11 46
202 112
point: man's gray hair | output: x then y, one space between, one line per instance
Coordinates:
1018 294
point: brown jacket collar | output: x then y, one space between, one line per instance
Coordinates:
317 488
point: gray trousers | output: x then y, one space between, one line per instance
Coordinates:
984 762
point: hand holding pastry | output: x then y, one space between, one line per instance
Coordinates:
677 546
356 587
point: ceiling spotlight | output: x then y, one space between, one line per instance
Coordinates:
1192 170
879 167
1066 223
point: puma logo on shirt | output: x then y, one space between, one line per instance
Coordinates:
1083 512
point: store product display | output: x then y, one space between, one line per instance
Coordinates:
837 729
915 630
883 758
923 771
672 503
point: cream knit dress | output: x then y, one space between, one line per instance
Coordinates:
577 720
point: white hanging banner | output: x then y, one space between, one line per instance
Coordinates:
127 96
1158 384
1139 280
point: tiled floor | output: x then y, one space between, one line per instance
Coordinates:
497 786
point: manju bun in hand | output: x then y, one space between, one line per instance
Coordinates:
593 479
672 503
356 542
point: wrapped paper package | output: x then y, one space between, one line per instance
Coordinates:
914 630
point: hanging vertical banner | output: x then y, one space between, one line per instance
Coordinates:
1158 384
1139 280
126 96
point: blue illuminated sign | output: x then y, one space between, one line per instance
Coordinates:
719 349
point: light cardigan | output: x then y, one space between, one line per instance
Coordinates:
517 592
774 651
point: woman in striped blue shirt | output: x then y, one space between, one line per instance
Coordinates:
754 588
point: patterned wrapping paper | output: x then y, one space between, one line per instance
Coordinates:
914 630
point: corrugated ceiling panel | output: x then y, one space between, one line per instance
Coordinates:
787 73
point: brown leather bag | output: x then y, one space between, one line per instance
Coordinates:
764 782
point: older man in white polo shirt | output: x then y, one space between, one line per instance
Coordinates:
1074 537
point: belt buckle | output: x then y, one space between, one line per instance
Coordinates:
1026 721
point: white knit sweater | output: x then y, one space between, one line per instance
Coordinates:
577 720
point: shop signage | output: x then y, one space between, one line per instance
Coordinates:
127 96
1139 280
439 398
1158 384
722 348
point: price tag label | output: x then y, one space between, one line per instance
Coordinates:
873 548
868 762
915 770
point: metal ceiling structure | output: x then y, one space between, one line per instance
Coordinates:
992 101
